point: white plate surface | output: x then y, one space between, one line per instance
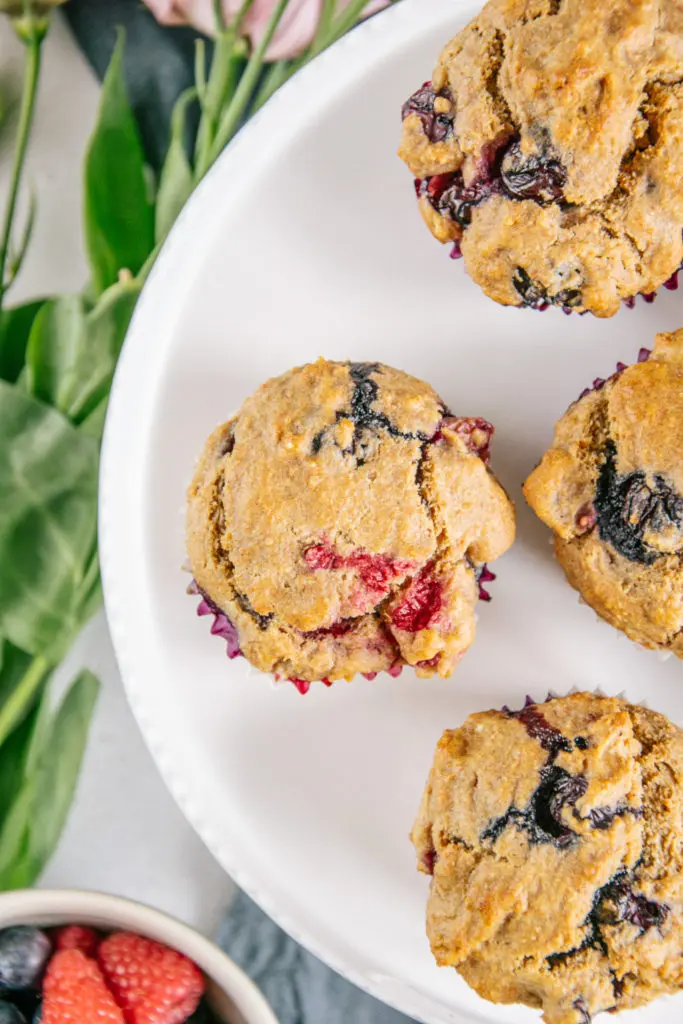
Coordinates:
305 240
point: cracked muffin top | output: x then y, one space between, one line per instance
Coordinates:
611 488
341 520
554 836
548 147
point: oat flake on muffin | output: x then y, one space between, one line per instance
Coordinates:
339 524
548 147
611 488
554 837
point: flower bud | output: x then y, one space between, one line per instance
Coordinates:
27 8
30 18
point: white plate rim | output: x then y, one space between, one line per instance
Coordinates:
337 68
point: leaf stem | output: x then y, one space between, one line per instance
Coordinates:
21 696
30 88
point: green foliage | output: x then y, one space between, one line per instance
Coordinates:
43 757
57 362
177 178
119 211
48 521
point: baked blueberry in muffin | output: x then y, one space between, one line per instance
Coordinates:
611 489
341 523
553 838
548 146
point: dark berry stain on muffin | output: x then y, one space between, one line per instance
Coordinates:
584 1016
375 573
614 903
436 126
537 177
536 297
539 728
502 170
629 505
421 603
243 601
558 790
603 817
617 901
542 819
429 860
363 415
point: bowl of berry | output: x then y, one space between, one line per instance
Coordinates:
86 958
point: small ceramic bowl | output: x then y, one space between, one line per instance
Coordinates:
233 998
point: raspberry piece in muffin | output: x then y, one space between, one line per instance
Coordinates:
553 838
340 523
611 488
548 147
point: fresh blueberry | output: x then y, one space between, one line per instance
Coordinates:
23 954
9 1014
26 1001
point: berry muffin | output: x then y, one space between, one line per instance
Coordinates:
554 837
548 147
610 487
339 523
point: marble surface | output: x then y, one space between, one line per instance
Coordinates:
125 834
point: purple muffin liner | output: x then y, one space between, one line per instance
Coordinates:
599 382
224 628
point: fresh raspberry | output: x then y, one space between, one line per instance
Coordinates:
74 992
151 983
75 936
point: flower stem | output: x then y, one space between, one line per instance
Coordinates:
237 106
276 75
28 99
341 25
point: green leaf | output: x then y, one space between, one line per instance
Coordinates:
93 425
176 181
13 759
56 341
52 758
119 214
15 867
15 327
72 354
54 768
48 522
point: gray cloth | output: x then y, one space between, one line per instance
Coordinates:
300 989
